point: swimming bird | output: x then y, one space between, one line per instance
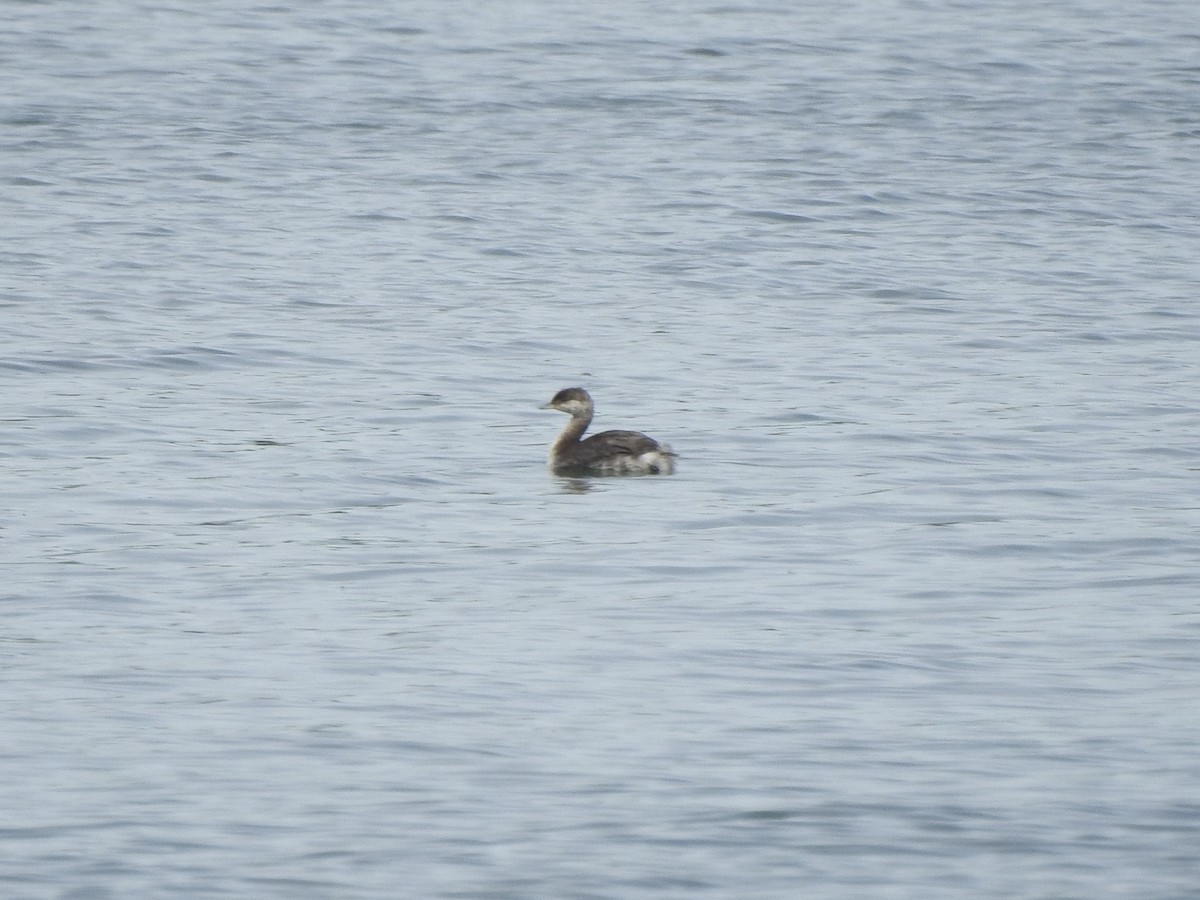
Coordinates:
606 453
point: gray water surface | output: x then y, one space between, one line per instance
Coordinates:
293 608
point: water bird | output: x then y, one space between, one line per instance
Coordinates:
606 453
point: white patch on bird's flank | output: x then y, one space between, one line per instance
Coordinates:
657 462
653 462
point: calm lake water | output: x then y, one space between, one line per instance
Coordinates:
292 607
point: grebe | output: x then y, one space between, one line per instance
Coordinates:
606 453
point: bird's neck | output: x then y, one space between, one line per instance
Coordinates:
573 431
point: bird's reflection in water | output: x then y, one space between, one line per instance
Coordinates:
575 485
